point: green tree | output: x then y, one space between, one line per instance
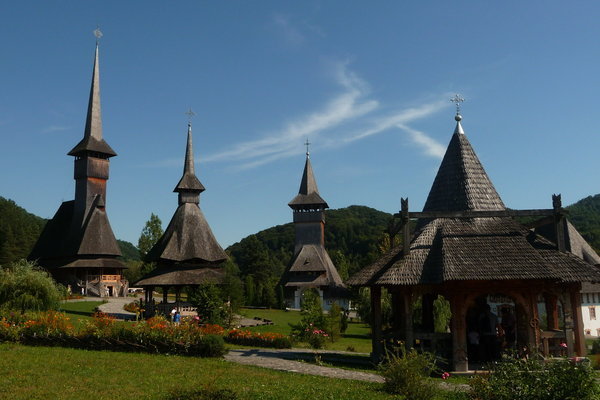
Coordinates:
250 290
209 302
150 234
24 286
441 314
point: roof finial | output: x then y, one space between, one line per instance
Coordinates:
97 33
307 143
190 115
457 99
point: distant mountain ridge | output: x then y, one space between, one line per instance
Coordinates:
352 237
585 216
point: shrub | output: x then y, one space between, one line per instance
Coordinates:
531 379
26 287
406 374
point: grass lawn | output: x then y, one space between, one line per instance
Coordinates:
79 310
356 337
58 373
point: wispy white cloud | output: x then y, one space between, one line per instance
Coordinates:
289 31
55 128
348 105
430 146
349 116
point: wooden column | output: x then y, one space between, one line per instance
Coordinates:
580 348
569 322
552 311
397 311
534 337
177 296
377 345
409 332
459 333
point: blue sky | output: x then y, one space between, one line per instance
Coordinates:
368 83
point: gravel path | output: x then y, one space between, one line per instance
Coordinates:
281 360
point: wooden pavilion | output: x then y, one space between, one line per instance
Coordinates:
187 254
468 247
77 245
311 266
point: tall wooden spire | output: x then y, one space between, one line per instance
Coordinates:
92 138
189 187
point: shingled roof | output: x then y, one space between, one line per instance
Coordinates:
447 249
308 196
461 182
187 251
92 139
312 267
575 243
65 238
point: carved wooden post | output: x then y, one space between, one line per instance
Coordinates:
376 343
165 294
575 298
405 227
177 296
459 333
568 312
534 337
552 311
409 334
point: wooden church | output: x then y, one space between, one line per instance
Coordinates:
187 254
469 248
77 245
311 266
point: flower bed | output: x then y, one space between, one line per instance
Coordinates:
102 332
266 339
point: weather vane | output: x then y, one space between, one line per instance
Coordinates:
190 115
307 143
457 99
97 33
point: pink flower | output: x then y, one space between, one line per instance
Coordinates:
445 375
563 345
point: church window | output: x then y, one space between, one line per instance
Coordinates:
592 313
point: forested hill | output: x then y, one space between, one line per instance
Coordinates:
19 230
352 235
585 216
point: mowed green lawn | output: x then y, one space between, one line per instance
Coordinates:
58 373
357 337
79 310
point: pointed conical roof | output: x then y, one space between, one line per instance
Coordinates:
461 182
189 182
92 137
308 195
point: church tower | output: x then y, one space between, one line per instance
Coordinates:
187 254
311 267
78 245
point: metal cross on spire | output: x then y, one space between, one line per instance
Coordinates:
97 33
190 115
307 143
457 99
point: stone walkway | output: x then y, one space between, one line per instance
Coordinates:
282 360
